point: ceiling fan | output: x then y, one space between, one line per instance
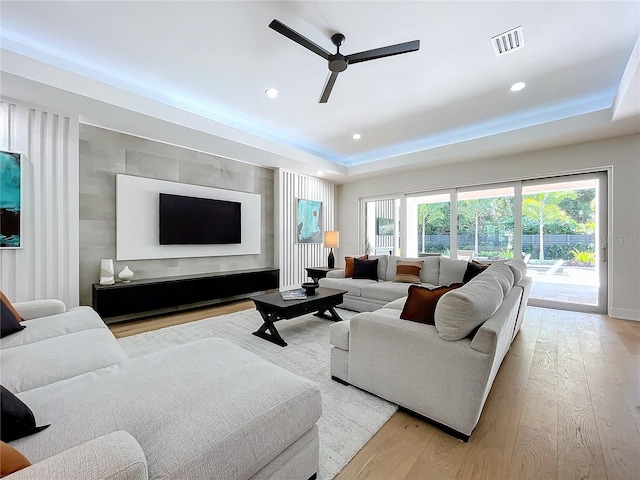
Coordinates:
337 61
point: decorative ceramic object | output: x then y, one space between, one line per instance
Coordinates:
106 271
125 275
310 288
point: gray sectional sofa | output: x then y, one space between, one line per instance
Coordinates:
443 372
204 410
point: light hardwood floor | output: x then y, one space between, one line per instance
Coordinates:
565 405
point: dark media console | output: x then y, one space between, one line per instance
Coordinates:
140 297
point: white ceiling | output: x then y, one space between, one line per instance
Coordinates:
215 60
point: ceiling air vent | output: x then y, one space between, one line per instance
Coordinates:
508 41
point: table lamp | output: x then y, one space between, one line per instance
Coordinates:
331 240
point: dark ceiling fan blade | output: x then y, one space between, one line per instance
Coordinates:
384 52
296 37
328 86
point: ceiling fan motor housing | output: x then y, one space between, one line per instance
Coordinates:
338 63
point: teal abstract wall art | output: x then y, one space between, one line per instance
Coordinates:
10 200
309 221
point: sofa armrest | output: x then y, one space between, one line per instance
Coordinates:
39 308
116 456
337 273
495 335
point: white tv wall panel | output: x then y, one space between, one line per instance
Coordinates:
137 220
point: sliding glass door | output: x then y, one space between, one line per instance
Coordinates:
563 222
556 226
486 223
428 224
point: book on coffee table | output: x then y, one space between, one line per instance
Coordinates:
293 295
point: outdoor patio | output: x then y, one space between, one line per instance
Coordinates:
564 284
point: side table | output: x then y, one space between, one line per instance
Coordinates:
316 273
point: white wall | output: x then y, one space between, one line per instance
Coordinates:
47 265
622 154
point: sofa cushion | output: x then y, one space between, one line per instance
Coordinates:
421 303
430 269
74 320
353 286
17 420
451 271
11 460
408 272
518 268
385 291
349 265
460 311
206 409
503 274
339 335
365 269
40 363
383 262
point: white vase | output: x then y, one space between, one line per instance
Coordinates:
125 275
106 272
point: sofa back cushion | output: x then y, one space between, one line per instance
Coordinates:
460 311
421 303
518 268
451 271
383 262
349 266
503 274
407 272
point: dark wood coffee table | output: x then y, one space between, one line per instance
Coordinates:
273 308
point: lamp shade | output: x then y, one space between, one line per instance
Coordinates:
331 239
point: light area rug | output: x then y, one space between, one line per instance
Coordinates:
350 417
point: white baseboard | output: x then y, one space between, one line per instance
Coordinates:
625 314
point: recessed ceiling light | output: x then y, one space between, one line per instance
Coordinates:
516 87
271 93
357 136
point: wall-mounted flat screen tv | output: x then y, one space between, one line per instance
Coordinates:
198 221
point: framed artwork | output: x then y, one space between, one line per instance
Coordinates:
384 226
10 200
309 221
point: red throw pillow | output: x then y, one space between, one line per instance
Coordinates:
421 303
350 265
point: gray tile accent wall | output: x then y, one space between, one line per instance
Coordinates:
105 153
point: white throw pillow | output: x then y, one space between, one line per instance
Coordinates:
451 271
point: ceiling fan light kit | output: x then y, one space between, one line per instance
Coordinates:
338 62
